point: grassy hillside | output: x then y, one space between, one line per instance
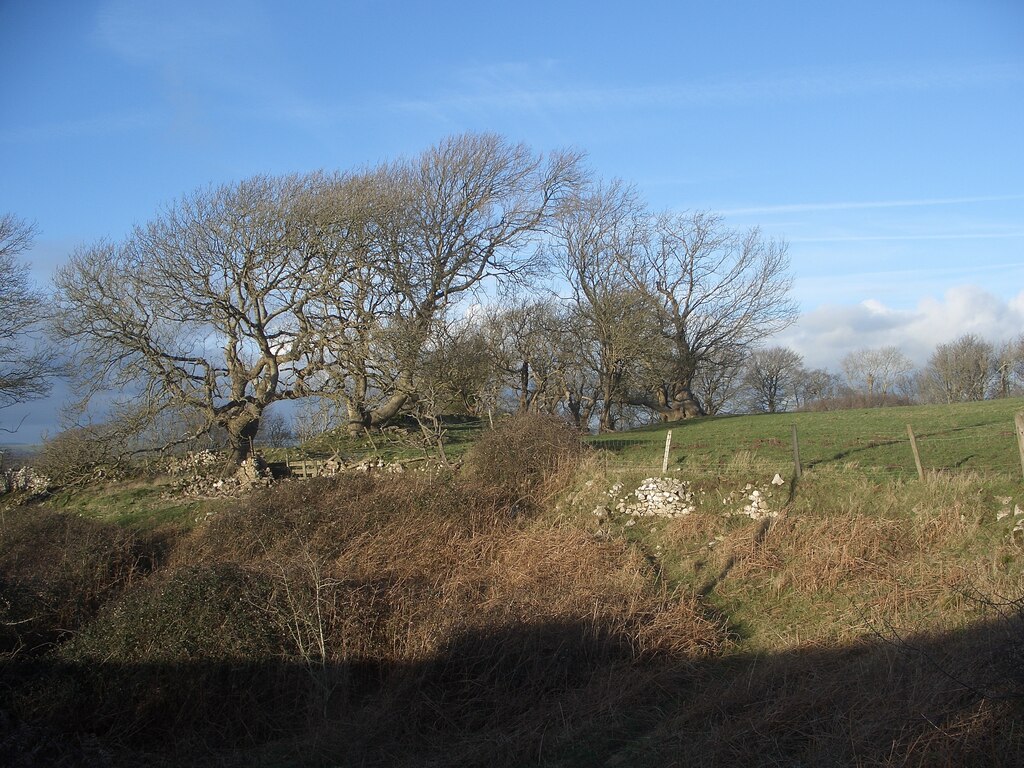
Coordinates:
490 617
975 437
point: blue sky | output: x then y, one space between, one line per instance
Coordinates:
884 141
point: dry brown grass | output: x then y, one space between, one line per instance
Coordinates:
870 703
57 570
900 556
459 621
399 622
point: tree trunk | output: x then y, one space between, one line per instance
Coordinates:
241 434
685 405
524 387
362 419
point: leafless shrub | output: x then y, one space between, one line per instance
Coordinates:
528 457
84 454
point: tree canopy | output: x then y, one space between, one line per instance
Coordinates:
27 366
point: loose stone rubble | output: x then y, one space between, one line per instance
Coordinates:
1017 517
25 480
201 474
196 463
757 506
671 497
659 497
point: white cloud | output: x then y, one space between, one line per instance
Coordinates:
824 335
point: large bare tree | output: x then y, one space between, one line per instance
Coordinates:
26 364
279 288
212 307
716 292
614 332
469 210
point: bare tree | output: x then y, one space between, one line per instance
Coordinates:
276 430
1009 368
959 371
525 338
816 388
469 210
716 293
611 319
457 369
212 306
26 365
578 377
279 288
771 378
879 373
316 417
718 382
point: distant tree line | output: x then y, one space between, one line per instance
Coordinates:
478 277
966 369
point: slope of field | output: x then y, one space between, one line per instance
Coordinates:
490 617
960 437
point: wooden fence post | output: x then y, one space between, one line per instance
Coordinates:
1019 421
917 454
668 447
796 455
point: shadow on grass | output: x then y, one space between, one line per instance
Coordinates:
562 694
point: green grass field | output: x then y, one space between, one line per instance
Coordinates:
965 437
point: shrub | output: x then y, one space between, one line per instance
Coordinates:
82 455
58 570
528 457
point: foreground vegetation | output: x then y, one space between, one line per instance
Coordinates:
487 616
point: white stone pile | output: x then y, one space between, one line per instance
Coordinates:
197 475
672 497
757 506
25 480
658 497
1017 516
197 463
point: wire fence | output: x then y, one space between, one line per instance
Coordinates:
897 453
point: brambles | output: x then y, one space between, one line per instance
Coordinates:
528 457
57 571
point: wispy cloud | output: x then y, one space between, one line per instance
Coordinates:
885 238
524 88
100 125
868 204
882 275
